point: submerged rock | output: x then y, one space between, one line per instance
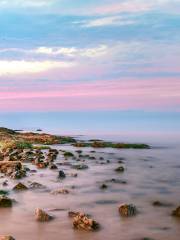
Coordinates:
5 202
161 204
82 221
80 166
60 191
20 187
120 169
127 210
176 212
36 185
42 216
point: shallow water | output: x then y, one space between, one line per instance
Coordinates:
152 174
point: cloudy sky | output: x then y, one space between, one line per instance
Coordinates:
75 55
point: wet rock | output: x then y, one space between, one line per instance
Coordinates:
18 174
103 186
36 185
61 174
6 238
73 214
42 165
42 216
20 187
68 154
74 174
60 191
127 210
79 151
83 222
5 202
4 192
120 169
119 181
52 166
80 166
161 204
176 212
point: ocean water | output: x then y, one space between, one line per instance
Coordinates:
139 126
151 174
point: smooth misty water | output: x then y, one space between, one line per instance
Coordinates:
150 174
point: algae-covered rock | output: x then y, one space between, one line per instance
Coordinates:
5 202
20 187
127 210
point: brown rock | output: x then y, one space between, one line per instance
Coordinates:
6 238
42 216
83 222
176 212
20 187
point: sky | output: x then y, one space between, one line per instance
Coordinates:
90 56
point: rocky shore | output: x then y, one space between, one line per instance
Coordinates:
23 155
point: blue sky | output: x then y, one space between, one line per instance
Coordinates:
89 56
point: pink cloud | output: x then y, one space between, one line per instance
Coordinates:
109 95
126 6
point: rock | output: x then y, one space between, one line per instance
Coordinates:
161 204
52 166
6 238
80 166
68 154
60 191
74 174
82 221
18 174
103 186
61 174
127 210
42 165
73 214
120 169
42 216
176 212
35 185
20 187
5 202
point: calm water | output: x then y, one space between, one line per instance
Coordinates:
150 174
